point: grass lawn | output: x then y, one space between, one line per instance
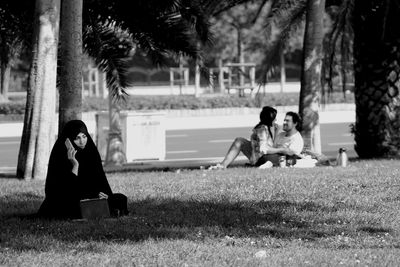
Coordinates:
324 216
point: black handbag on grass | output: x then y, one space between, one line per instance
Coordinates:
95 208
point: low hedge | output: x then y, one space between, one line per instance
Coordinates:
184 102
203 102
12 108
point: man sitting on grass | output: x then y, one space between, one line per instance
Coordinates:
288 143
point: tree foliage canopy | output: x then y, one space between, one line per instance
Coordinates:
113 29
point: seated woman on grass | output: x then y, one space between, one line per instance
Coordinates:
261 139
75 172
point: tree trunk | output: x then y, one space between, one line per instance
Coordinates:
38 130
283 68
5 81
115 155
197 74
70 101
377 78
311 75
221 76
241 60
197 79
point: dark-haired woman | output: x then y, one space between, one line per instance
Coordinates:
75 172
261 139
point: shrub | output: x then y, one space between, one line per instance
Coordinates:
185 102
12 108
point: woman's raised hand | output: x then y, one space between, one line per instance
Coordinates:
71 152
103 195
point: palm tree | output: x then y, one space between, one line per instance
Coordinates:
176 30
364 31
377 78
311 75
161 28
366 35
70 67
40 106
100 43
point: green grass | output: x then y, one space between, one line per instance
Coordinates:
324 216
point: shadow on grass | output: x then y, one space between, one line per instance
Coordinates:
172 219
8 175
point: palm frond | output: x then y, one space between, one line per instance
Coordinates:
340 35
287 16
111 48
162 29
260 10
197 16
168 24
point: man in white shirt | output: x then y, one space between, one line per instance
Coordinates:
288 143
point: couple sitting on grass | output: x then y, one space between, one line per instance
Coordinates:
267 142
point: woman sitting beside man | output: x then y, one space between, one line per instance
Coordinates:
267 143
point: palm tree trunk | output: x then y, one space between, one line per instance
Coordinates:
115 155
5 81
70 101
377 78
39 118
311 75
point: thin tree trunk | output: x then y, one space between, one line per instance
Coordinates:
70 101
37 132
5 81
197 79
197 74
240 58
311 75
283 69
115 155
221 76
241 61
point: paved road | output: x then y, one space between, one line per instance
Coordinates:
9 147
206 143
215 142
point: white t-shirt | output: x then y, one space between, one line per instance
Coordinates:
295 142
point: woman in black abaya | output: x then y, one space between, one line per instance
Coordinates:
75 172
